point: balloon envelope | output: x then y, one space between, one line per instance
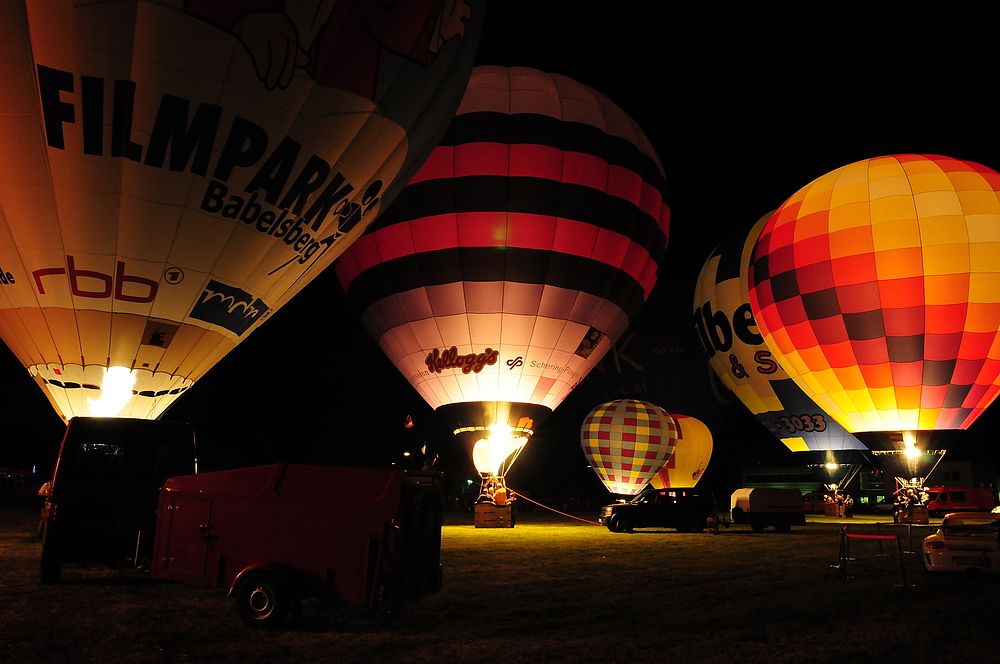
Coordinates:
519 251
692 452
627 442
738 354
172 173
877 287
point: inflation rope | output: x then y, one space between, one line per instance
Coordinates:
521 495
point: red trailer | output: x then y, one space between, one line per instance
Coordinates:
274 534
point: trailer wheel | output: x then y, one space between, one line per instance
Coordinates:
262 600
783 525
757 526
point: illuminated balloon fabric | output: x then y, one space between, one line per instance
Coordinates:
692 453
877 286
521 249
165 187
627 442
738 354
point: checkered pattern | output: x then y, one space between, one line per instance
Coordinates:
877 286
627 442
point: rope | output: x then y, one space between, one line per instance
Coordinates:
535 502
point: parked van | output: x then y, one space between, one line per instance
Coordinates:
944 499
763 507
816 503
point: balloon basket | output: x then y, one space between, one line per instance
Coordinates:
494 516
916 514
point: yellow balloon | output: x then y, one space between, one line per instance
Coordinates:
692 453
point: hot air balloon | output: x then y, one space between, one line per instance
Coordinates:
737 352
172 173
877 287
627 442
692 452
524 246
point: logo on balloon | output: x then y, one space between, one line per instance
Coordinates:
516 362
229 307
100 285
173 275
438 361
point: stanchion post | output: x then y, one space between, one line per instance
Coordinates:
902 567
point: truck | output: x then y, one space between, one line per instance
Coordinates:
943 500
686 510
763 507
271 535
101 502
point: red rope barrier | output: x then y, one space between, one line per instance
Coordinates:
521 495
878 537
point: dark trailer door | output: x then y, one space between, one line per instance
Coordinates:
106 486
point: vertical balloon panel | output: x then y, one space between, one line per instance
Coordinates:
170 178
526 242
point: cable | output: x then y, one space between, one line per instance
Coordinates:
521 495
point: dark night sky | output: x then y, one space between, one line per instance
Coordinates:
743 108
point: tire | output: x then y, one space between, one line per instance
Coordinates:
757 526
51 564
624 525
262 600
737 515
782 526
613 524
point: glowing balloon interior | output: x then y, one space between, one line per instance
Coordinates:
738 354
692 452
492 455
627 442
519 251
172 173
877 286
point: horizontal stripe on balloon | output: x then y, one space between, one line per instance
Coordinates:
503 231
530 128
535 196
546 163
529 266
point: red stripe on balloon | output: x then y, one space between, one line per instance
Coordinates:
547 163
498 229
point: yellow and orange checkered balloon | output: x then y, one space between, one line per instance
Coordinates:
627 442
877 287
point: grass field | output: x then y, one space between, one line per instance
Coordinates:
549 590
